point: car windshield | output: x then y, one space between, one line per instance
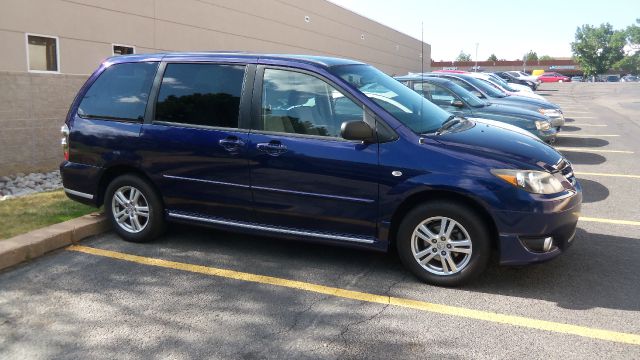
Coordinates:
468 97
501 82
404 104
486 87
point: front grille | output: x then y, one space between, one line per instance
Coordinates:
564 166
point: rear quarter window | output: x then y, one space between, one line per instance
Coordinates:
120 92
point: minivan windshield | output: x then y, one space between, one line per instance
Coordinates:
404 104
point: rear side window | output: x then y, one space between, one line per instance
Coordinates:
120 92
201 94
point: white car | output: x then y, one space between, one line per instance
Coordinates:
510 89
524 76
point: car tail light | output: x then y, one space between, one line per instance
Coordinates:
65 141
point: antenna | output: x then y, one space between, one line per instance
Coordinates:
422 66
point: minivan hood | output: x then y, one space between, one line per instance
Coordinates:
529 103
498 143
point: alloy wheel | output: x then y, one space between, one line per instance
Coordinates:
441 245
130 209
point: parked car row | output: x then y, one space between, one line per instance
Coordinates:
326 150
488 96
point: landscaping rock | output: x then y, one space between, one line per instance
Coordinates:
21 184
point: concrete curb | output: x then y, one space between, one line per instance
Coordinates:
41 241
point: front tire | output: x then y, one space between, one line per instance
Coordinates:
134 209
444 243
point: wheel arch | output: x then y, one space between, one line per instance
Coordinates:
113 172
439 195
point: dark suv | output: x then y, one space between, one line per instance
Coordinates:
312 148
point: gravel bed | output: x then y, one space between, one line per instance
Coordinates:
23 184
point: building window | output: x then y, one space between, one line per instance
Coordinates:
123 49
42 53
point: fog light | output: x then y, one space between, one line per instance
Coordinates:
538 244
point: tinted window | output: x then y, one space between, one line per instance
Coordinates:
121 92
298 103
201 94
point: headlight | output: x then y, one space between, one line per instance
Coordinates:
537 182
550 112
543 125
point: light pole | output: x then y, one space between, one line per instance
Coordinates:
477 56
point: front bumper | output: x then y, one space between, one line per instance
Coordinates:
555 218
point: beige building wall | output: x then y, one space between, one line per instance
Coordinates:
33 105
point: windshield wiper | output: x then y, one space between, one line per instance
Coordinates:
448 124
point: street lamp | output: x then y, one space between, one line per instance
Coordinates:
477 57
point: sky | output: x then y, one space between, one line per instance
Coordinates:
508 29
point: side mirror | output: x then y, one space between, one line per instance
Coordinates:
357 130
457 103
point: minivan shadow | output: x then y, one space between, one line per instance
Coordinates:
593 191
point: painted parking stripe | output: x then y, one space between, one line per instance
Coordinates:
589 125
586 135
605 174
580 117
574 149
610 221
520 321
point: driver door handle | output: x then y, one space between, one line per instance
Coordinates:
273 148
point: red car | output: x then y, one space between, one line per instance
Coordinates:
553 77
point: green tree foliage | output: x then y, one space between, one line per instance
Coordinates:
546 58
631 62
463 56
596 49
531 56
493 58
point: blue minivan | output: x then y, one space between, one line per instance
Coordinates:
312 148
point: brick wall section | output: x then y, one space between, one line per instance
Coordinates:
32 110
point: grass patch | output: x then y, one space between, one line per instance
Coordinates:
30 212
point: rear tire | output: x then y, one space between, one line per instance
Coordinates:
134 209
445 257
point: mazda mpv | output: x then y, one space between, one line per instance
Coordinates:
312 148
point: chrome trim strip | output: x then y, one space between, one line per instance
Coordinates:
314 194
205 181
78 193
347 198
271 229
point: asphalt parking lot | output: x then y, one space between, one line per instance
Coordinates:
199 293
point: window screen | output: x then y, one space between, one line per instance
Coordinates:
201 94
121 92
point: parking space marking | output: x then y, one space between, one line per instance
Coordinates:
610 221
574 149
587 135
605 174
592 125
580 117
520 321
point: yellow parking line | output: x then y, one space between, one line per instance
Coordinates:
610 221
603 174
593 150
557 327
586 135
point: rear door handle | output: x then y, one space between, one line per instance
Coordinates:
273 148
231 143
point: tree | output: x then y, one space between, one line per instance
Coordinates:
463 56
546 58
596 49
631 61
531 56
493 58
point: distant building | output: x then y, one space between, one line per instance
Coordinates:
562 65
51 46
